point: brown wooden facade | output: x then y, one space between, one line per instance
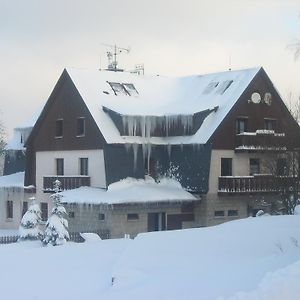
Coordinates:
225 138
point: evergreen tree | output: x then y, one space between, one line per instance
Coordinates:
56 232
29 227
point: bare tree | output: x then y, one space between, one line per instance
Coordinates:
2 137
284 168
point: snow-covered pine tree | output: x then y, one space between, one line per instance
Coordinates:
56 232
29 226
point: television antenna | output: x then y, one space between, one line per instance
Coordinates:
112 63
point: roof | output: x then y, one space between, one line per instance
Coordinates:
21 132
13 180
130 190
159 96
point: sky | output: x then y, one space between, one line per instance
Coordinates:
39 38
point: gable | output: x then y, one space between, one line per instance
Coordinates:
66 104
256 115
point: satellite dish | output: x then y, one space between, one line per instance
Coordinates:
255 97
268 98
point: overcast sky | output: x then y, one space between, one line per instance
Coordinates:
38 39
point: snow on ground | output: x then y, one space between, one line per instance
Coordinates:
130 190
254 258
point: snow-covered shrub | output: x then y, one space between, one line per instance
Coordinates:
297 210
29 227
56 232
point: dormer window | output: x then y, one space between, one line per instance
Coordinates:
80 127
59 128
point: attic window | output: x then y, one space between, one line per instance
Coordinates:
131 90
210 87
224 86
127 89
118 88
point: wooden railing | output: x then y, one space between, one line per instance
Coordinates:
67 182
255 184
261 140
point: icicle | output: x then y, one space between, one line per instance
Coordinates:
169 149
135 148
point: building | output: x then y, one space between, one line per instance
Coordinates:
212 133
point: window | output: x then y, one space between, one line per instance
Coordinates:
224 86
59 166
241 125
281 167
24 208
233 213
210 87
226 166
59 128
44 210
127 89
101 217
84 166
219 213
9 209
254 166
71 214
118 88
130 88
270 124
80 127
132 217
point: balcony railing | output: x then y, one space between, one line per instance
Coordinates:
67 182
261 140
255 184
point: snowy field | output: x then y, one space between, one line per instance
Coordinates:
255 258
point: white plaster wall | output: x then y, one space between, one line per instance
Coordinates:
46 165
16 195
240 165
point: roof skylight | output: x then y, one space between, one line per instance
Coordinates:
127 89
210 87
118 88
131 90
224 86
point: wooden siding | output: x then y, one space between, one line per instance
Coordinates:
225 135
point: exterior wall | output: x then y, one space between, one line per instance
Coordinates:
245 204
225 135
16 195
86 218
64 103
240 165
46 165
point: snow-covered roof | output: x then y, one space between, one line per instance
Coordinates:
22 132
159 96
13 180
130 190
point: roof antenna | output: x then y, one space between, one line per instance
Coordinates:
229 69
112 57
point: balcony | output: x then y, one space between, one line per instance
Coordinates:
260 140
67 182
255 184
